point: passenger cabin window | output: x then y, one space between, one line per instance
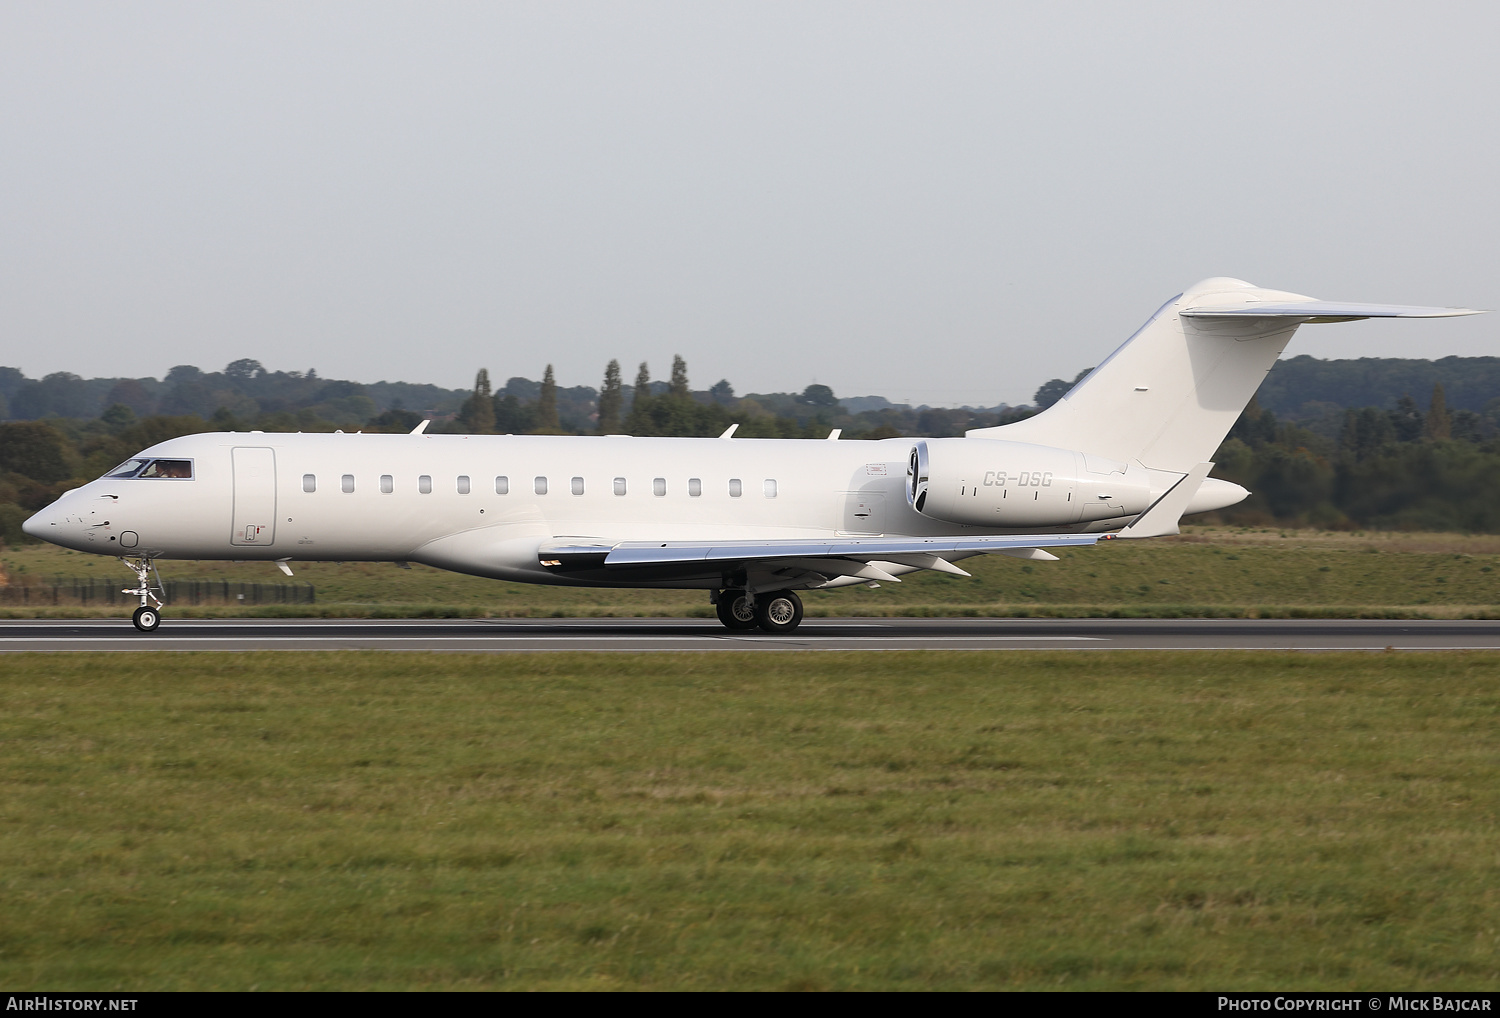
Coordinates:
577 485
424 484
695 487
736 487
619 485
347 483
658 486
770 487
502 485
309 482
539 485
463 484
387 484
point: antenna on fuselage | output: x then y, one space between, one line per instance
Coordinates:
420 427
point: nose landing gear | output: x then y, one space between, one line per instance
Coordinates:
146 617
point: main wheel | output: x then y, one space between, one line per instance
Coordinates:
735 611
146 619
780 612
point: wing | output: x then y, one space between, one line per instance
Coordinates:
801 563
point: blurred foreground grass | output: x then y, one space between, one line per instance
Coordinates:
882 820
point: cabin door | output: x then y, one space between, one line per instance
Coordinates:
254 497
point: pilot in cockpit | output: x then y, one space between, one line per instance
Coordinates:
168 468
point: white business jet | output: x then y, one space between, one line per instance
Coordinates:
1122 455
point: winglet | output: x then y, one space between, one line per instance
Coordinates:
1165 513
420 428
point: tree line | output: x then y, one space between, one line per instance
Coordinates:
1397 468
673 408
1402 466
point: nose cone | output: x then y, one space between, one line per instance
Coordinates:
38 526
56 524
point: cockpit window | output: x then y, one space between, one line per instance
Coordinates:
127 469
179 469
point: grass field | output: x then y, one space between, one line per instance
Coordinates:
885 820
1206 571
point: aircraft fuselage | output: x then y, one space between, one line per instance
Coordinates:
483 504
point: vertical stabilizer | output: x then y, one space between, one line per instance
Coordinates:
1170 394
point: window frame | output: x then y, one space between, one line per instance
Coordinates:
146 462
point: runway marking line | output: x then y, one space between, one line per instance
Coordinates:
643 638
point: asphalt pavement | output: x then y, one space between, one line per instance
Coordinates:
707 635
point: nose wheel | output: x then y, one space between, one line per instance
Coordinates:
148 616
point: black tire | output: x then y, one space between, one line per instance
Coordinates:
146 619
734 612
779 612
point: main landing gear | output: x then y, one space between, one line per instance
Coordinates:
776 612
147 617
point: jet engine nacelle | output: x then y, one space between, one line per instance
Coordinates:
984 483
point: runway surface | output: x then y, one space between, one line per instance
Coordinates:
704 634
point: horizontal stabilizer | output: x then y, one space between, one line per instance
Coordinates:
1316 311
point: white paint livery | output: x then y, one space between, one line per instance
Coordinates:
1124 454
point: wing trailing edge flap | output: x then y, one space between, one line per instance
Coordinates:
837 567
874 569
864 558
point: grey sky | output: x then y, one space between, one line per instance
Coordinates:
943 202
